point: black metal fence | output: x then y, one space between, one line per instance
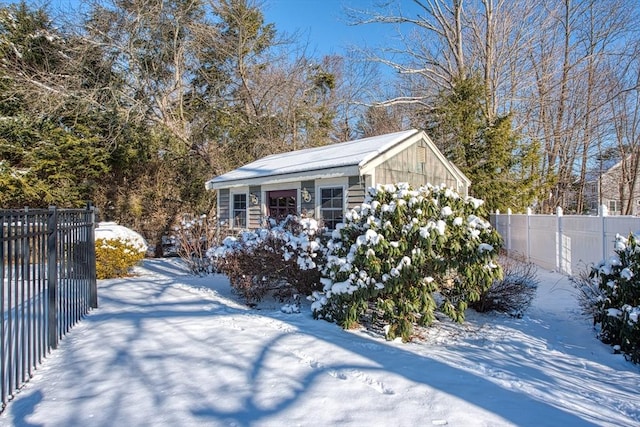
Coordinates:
48 282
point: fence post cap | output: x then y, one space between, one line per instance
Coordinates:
603 210
529 211
559 211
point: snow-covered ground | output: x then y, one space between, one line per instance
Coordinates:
169 349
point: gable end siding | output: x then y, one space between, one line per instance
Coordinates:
610 191
405 167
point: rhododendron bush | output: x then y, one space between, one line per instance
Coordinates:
617 307
403 255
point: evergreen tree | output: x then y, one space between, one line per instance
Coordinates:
503 169
49 153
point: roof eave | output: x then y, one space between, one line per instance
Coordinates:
337 172
386 148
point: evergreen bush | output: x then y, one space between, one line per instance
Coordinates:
116 256
618 306
405 253
279 260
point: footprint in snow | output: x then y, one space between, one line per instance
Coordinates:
362 376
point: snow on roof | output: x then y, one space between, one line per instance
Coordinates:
351 153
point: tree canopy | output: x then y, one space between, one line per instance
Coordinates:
134 104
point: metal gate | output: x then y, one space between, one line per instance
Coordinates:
48 283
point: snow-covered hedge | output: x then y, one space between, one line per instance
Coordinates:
115 257
618 306
118 250
405 253
280 259
114 231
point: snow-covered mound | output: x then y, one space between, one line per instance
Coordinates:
112 230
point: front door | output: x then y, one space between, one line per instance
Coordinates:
282 203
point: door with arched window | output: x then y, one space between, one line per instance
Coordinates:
282 203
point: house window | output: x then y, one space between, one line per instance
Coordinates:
239 211
614 205
331 206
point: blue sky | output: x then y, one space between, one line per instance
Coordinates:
323 23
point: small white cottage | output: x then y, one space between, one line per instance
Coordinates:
324 182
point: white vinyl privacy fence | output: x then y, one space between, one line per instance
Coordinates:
565 243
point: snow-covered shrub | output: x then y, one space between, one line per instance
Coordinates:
405 253
116 256
193 237
618 309
280 260
514 292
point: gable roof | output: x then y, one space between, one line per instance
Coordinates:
609 170
342 159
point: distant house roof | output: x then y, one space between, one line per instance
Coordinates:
608 167
343 159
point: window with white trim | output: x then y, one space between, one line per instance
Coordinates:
614 205
239 211
331 206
